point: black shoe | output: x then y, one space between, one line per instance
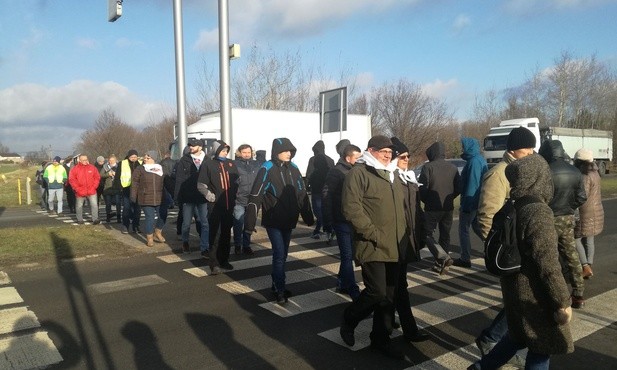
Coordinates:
215 270
96 222
136 230
389 350
419 336
286 292
247 251
226 266
443 265
108 219
187 249
347 334
205 254
460 263
281 299
237 250
578 301
395 325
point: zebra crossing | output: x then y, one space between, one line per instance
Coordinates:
71 218
465 292
23 344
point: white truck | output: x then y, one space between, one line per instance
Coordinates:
258 128
600 142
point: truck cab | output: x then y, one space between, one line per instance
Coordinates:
496 141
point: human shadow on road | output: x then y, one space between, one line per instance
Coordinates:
146 352
81 307
65 343
218 336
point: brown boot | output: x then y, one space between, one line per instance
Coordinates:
150 240
158 235
587 272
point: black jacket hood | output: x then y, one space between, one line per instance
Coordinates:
552 149
436 151
283 144
319 147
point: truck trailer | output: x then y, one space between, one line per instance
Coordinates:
258 128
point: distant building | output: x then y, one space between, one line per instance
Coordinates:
13 157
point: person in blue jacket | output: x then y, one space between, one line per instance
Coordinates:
471 180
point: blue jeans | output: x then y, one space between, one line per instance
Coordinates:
188 209
505 350
346 277
131 212
465 221
150 212
280 239
241 239
586 249
316 204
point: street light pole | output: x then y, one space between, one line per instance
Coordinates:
180 88
225 104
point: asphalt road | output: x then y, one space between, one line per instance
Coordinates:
159 310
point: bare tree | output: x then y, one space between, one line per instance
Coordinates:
110 135
403 110
4 148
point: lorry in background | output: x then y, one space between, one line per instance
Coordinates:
598 141
258 128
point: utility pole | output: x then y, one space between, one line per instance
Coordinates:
225 104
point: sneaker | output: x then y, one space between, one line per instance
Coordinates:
186 248
80 222
460 263
125 230
52 212
484 347
281 299
578 301
96 222
215 270
419 336
136 230
315 236
347 334
443 265
247 250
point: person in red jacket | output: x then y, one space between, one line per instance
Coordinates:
84 179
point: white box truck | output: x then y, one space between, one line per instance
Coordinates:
258 128
600 142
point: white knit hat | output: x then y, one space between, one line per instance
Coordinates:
584 155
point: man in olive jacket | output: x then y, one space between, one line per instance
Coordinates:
372 201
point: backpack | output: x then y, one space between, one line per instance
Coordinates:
501 254
39 177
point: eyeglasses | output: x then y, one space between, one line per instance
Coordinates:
404 156
384 151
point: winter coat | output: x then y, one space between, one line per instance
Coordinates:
132 166
221 178
567 179
494 191
280 193
591 213
55 176
440 180
319 148
532 296
185 189
147 187
109 185
317 179
414 216
331 204
471 176
84 179
247 172
372 201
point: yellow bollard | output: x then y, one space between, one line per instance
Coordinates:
19 190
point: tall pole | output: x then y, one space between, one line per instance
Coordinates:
225 103
180 89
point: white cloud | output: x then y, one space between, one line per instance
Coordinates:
87 43
32 115
207 40
461 22
441 89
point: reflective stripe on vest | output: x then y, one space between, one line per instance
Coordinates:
125 174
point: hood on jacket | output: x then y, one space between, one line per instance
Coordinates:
530 175
552 149
218 146
436 151
283 144
319 147
471 148
341 145
260 156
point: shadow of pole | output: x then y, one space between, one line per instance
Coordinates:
146 353
75 289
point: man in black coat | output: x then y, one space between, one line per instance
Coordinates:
247 171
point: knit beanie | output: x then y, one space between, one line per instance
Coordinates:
521 138
398 147
153 154
584 155
131 152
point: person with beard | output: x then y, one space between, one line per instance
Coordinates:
218 179
130 210
247 171
280 193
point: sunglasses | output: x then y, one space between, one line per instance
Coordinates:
404 156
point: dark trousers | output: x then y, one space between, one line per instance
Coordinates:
403 304
220 221
380 280
441 220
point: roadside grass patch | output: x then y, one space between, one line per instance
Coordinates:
609 186
9 193
47 246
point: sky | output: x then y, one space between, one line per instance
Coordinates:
62 63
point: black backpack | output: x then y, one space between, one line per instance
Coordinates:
501 254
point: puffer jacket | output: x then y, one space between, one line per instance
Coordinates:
567 179
331 204
532 295
147 187
471 176
84 179
280 193
591 213
373 204
247 172
440 180
494 191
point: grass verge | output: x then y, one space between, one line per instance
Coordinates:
609 186
47 246
9 185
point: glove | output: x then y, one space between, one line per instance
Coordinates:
210 197
563 315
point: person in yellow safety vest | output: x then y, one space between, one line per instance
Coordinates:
130 210
55 176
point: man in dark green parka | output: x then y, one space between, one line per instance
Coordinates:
372 201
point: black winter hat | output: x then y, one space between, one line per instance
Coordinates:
398 147
131 152
379 142
520 138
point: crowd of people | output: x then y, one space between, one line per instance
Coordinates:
372 205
